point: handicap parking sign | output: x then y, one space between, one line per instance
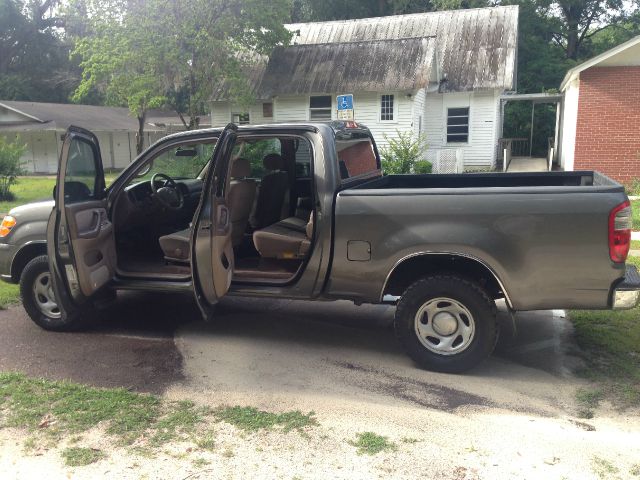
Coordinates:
345 107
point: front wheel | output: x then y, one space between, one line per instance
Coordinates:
39 300
446 323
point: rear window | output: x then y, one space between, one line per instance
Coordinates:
356 155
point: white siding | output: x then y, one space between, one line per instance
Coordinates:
479 151
418 112
220 114
291 109
569 122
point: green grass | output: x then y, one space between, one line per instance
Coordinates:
604 469
9 294
53 412
611 344
588 400
371 443
252 419
33 188
80 456
635 208
29 189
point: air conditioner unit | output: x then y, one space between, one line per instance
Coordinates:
449 160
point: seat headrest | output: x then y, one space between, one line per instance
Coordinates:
241 168
273 161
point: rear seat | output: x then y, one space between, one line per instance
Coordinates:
289 238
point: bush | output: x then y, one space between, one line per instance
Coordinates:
633 187
10 167
404 154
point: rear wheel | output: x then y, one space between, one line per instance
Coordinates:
446 323
38 298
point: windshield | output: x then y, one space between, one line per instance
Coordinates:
185 161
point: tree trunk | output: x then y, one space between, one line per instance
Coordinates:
572 41
140 133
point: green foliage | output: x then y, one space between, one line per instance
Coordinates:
34 53
159 52
10 166
371 443
255 153
252 419
404 153
80 456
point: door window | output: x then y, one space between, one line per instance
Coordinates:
81 176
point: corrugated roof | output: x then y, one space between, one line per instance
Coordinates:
349 67
475 48
59 116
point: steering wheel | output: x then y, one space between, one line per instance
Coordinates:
169 194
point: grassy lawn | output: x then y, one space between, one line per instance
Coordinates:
635 207
33 188
29 189
9 294
60 414
611 342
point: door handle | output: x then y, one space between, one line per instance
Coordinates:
95 230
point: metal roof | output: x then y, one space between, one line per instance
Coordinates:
349 66
58 116
475 48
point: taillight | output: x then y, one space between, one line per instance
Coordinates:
8 222
620 232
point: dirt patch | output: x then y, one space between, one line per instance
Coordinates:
133 348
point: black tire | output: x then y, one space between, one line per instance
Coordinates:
471 312
37 270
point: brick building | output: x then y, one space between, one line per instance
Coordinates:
601 114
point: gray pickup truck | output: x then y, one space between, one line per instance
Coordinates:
303 211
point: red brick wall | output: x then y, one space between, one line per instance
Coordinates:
608 130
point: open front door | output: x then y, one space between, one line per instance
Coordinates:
80 239
212 259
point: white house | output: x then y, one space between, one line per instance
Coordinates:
41 126
438 74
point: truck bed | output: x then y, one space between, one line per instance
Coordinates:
496 180
544 235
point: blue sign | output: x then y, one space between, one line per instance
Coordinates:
345 102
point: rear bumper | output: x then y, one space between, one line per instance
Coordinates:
627 293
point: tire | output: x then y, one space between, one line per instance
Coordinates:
38 298
465 329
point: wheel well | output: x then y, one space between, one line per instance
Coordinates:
24 256
414 268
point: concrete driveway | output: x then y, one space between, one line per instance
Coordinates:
512 417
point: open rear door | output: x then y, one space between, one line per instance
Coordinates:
212 259
80 239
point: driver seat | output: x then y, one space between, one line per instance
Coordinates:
242 190
175 246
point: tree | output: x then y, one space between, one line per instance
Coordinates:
146 53
574 21
115 62
34 54
314 10
10 167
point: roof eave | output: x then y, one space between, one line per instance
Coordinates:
574 72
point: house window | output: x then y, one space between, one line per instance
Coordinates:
240 118
267 110
458 125
386 108
320 107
